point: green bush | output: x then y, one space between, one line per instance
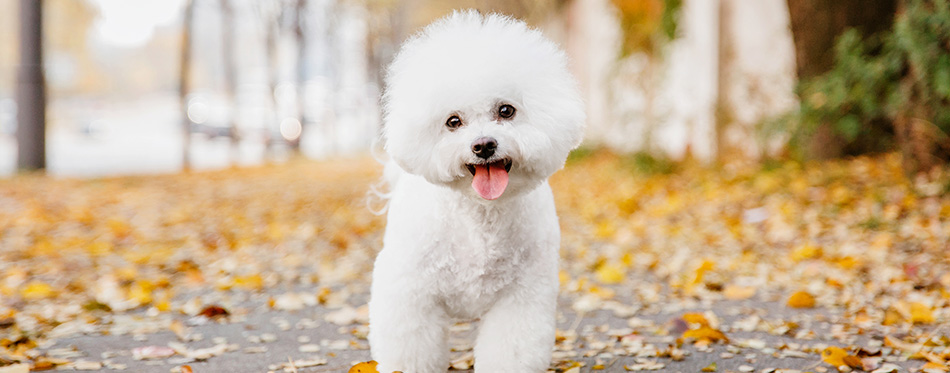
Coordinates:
887 92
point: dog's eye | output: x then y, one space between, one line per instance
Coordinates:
453 122
506 111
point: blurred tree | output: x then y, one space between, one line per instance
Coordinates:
229 60
270 13
8 45
391 21
919 103
816 24
726 56
898 81
67 33
280 19
184 82
423 12
301 30
31 89
65 26
646 26
386 24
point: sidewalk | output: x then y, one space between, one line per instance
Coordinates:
803 268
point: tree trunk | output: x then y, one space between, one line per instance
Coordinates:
816 25
300 30
228 59
724 115
271 20
31 89
184 84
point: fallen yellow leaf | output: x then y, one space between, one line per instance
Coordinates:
323 295
605 229
935 367
837 356
695 318
626 259
37 290
805 252
180 330
930 357
853 361
163 302
801 299
364 367
862 318
901 345
735 292
249 282
127 273
120 228
603 293
921 313
609 274
15 368
706 333
141 292
706 266
99 248
846 262
914 312
892 317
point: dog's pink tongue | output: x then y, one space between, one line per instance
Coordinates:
490 180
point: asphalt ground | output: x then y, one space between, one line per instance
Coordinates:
261 338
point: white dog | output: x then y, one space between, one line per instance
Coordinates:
479 112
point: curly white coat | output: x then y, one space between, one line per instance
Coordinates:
448 253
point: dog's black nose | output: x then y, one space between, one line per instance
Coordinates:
484 147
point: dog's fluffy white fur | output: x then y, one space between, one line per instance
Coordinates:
450 251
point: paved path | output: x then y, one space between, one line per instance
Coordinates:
264 339
670 272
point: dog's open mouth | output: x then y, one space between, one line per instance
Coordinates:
490 179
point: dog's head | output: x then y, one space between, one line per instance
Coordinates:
482 104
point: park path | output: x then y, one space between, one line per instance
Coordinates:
671 267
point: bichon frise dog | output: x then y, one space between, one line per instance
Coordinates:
479 112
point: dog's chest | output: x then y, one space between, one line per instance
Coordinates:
472 266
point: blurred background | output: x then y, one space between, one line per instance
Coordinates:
697 187
155 86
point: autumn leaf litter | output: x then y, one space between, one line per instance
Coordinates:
820 267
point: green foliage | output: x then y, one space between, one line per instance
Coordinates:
850 99
645 163
646 25
671 10
921 38
581 153
872 224
639 163
880 82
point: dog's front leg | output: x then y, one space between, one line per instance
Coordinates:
408 332
517 334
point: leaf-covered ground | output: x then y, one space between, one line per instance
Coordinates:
817 267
